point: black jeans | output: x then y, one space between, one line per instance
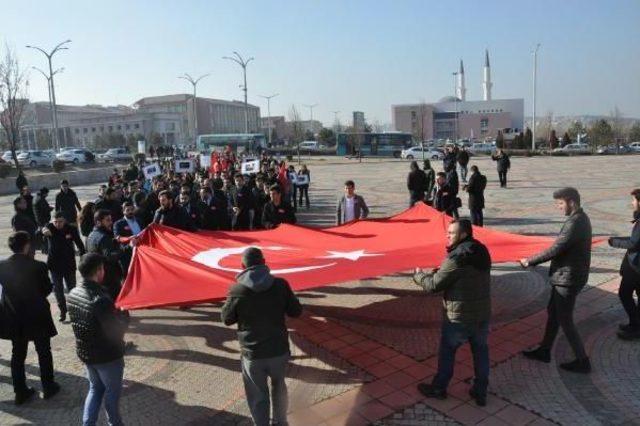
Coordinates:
69 278
503 178
560 314
45 359
630 283
304 191
477 217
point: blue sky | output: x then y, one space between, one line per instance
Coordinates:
342 55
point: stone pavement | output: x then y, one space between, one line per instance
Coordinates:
361 347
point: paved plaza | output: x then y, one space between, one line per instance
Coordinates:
361 347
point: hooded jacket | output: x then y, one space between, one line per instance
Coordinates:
258 303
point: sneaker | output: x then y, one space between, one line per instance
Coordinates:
538 354
577 366
629 334
51 390
481 400
25 396
430 391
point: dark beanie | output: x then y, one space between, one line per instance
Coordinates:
252 257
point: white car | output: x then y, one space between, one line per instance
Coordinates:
482 148
116 154
634 146
574 148
7 156
34 158
415 153
309 145
75 155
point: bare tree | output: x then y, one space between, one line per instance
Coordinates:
617 125
297 127
13 99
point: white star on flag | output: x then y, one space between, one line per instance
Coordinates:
351 255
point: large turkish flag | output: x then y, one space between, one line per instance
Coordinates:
173 267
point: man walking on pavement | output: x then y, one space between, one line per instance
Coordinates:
258 303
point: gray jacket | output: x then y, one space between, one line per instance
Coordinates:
361 211
570 254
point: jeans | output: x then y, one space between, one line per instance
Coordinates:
477 217
503 178
630 283
105 382
304 191
454 335
18 356
560 314
69 279
255 373
463 172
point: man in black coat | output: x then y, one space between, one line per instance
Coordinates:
463 162
67 202
27 315
570 257
503 165
275 211
102 241
125 232
630 272
475 188
213 209
243 203
41 208
25 193
110 202
171 214
61 259
454 185
416 184
442 199
190 206
21 221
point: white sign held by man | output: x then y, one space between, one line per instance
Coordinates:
250 167
205 161
184 166
151 171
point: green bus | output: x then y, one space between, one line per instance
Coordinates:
388 144
239 142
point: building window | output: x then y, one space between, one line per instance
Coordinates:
119 127
85 130
77 131
137 125
128 127
170 126
413 115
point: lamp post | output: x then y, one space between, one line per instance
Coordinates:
455 100
238 59
59 70
49 55
194 83
533 124
311 107
268 98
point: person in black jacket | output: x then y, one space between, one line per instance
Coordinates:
102 241
25 193
61 258
213 209
243 203
126 232
275 211
430 176
442 199
191 208
630 272
463 160
416 184
99 330
258 303
110 202
475 188
454 186
170 214
21 221
503 165
570 257
21 181
67 202
27 315
41 208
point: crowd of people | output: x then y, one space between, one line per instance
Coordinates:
221 197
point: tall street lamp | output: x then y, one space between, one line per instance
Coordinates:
268 98
455 100
533 124
238 59
49 55
194 83
59 70
311 107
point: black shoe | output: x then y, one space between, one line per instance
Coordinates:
629 334
51 390
62 317
25 396
628 327
481 400
538 354
129 346
577 366
431 391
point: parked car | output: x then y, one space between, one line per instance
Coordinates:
115 154
7 156
634 146
415 153
574 148
33 158
611 149
309 145
482 148
76 155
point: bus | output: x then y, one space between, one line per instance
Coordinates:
239 142
373 144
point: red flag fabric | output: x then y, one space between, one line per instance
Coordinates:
173 267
